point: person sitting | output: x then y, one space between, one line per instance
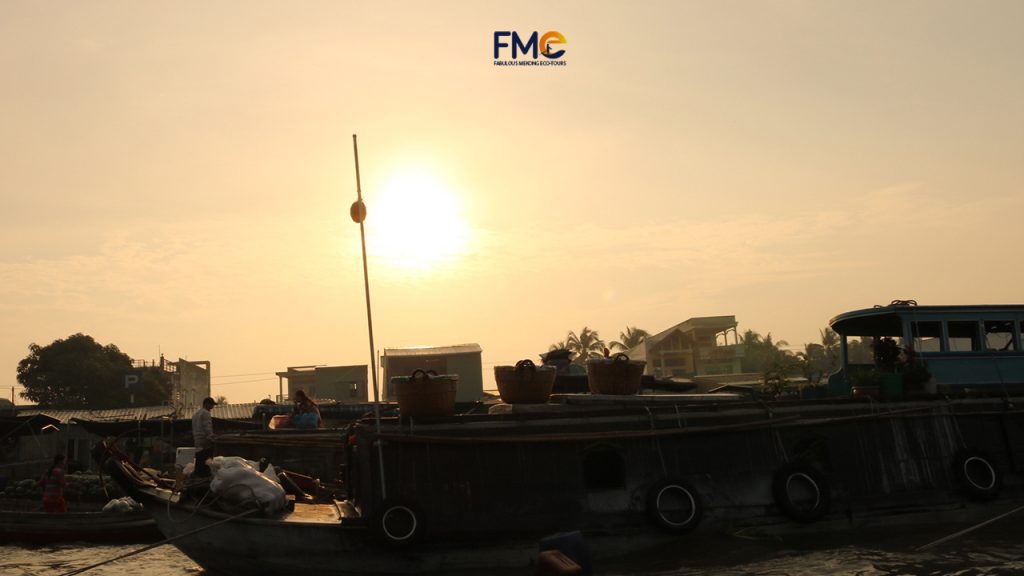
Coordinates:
53 484
306 413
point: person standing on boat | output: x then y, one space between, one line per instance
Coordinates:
53 484
202 436
306 413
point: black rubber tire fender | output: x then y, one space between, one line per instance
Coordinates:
400 522
795 475
669 519
976 474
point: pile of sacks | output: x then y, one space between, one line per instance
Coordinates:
239 481
125 504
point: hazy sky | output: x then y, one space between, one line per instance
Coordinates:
176 178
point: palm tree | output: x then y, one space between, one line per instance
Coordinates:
859 351
830 342
751 338
813 362
560 345
829 338
762 352
629 339
587 344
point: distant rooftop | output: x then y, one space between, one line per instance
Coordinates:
222 411
716 323
434 350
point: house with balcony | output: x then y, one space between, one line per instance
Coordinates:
705 346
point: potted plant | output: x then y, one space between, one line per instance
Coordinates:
916 376
865 383
887 361
887 354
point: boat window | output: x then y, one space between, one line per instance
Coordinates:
927 336
999 335
603 469
858 351
963 336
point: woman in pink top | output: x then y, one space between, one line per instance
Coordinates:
53 486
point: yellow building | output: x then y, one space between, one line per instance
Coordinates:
696 347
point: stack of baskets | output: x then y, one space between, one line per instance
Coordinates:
615 375
524 383
425 394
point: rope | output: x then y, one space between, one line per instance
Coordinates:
656 444
945 539
576 436
899 303
604 435
160 543
679 417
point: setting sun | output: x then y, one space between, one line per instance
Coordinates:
415 222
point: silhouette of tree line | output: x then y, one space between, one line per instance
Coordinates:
588 344
78 372
762 354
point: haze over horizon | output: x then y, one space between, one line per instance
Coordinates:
178 179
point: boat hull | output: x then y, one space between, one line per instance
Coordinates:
486 490
100 527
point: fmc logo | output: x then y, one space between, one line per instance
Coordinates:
534 47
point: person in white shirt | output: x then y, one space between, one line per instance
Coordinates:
202 435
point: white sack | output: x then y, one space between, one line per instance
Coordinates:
126 504
238 480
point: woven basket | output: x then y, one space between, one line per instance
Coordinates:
615 375
524 383
425 394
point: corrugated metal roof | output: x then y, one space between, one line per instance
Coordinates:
223 411
112 415
233 411
434 350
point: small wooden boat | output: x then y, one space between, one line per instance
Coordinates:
37 527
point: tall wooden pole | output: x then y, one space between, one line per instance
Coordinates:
358 213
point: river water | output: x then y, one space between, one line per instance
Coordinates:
996 549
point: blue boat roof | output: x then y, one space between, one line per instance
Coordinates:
877 316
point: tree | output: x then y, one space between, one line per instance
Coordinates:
829 338
629 339
221 399
830 343
814 363
560 345
78 372
759 353
586 344
859 351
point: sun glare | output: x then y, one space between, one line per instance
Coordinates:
415 221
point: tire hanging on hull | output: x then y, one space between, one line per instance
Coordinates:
400 523
673 506
801 492
976 475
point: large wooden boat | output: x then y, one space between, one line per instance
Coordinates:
479 491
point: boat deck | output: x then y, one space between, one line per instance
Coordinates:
326 513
